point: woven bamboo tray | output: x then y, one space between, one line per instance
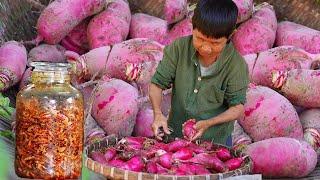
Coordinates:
116 173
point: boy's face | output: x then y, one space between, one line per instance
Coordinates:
207 46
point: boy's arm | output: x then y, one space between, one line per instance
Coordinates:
166 70
162 79
164 75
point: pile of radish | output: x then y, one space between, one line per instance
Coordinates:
115 51
179 157
281 112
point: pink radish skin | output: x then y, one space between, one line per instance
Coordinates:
193 169
125 60
55 22
47 53
300 86
90 63
26 78
161 170
152 167
77 39
290 33
245 9
110 26
171 11
183 169
146 26
189 130
99 157
166 160
233 164
71 55
215 163
177 145
143 81
282 157
310 119
261 122
197 149
223 154
310 122
200 170
239 137
133 141
312 136
175 10
277 59
13 62
208 160
179 172
151 151
162 146
183 154
258 33
179 30
110 154
250 60
133 147
109 109
143 123
134 164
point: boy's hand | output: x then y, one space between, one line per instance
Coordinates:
160 121
201 127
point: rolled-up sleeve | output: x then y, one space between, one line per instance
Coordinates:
166 70
237 85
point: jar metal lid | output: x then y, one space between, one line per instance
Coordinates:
46 66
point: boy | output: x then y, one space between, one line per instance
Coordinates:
208 77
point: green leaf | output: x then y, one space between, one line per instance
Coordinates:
4 101
7 134
5 109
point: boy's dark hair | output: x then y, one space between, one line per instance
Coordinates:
215 18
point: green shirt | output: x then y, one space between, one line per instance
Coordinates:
199 97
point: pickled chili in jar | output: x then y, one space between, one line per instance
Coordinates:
50 123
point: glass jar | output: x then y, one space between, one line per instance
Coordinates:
50 122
